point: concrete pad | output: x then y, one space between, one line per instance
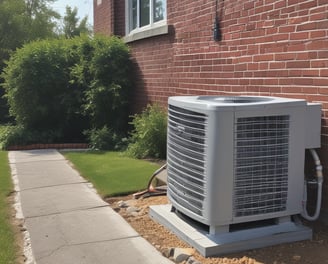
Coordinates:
45 174
34 155
59 199
122 251
230 242
74 228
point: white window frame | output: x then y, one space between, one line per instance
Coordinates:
152 29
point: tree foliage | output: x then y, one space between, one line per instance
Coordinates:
13 29
72 26
42 19
22 21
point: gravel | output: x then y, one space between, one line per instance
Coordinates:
306 252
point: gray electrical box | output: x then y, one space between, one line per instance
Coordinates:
313 126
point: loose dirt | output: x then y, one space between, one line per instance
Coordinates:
17 226
314 251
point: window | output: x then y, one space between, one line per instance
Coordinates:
143 15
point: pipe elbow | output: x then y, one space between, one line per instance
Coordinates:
319 177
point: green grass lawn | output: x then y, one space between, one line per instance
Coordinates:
112 173
8 249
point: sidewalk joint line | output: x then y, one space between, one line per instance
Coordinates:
105 240
85 243
34 161
68 211
54 185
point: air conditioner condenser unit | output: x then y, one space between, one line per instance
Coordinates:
235 160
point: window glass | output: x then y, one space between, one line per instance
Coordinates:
144 13
159 10
134 14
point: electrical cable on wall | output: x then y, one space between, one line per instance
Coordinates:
217 34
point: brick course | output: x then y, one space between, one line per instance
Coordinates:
269 47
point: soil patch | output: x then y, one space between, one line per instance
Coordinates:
18 229
136 212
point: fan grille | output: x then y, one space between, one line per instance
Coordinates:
186 158
261 165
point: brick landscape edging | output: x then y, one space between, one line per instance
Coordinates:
50 146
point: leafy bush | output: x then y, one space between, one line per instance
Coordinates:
69 86
103 139
18 136
104 71
148 139
36 84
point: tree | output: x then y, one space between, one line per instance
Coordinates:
22 21
72 26
13 32
42 19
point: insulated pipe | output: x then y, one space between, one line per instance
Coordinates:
319 177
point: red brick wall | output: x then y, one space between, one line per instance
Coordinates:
103 16
119 7
269 47
109 17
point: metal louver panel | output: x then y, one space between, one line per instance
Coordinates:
261 165
186 157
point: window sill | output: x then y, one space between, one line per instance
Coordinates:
147 33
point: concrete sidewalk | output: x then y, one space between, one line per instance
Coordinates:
67 221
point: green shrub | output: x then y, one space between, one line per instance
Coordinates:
19 136
103 139
68 86
37 86
106 96
148 139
